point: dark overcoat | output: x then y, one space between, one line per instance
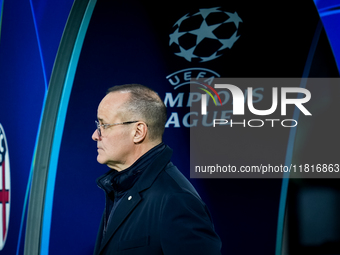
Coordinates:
161 214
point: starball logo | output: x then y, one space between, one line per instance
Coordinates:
200 36
205 35
240 100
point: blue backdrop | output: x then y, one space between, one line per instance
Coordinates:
148 43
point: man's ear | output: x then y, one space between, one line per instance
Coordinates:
140 132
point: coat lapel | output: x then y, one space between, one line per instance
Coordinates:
126 206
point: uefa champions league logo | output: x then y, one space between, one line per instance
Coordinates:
198 37
205 35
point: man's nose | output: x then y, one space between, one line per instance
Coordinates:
95 136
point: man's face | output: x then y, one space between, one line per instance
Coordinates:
115 145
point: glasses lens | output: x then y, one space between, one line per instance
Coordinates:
98 128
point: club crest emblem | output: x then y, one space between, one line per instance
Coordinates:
5 186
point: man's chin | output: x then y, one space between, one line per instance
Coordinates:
100 160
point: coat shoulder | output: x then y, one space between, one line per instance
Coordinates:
171 179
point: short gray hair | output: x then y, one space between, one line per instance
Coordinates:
146 104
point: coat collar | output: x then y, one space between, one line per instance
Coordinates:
114 182
154 169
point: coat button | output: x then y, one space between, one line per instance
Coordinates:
130 197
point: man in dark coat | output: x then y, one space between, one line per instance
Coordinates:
151 208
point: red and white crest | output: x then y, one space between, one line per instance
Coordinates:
5 187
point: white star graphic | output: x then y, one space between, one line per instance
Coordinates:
206 11
233 17
187 54
228 43
174 36
204 31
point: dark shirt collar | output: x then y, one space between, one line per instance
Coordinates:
115 182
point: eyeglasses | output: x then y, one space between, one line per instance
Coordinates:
105 126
